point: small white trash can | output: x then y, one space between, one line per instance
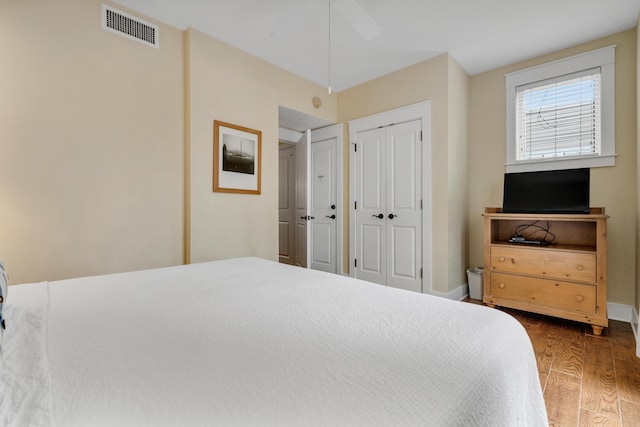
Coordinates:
474 276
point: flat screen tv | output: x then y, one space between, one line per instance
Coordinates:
553 192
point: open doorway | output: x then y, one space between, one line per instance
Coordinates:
310 192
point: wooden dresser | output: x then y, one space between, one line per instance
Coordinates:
566 279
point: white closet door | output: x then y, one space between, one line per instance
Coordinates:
371 235
388 212
404 216
323 197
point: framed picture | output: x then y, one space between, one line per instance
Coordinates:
237 156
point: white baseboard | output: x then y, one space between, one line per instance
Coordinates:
625 313
621 312
636 330
459 293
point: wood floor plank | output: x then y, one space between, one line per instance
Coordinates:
617 325
624 345
599 391
543 380
543 348
573 331
569 358
630 413
589 419
598 351
628 379
562 399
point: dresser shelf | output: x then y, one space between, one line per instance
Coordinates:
566 279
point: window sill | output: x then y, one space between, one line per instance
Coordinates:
556 164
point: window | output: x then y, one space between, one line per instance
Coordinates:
559 119
560 115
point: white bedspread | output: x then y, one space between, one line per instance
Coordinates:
250 342
25 382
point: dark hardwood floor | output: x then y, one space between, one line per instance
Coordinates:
587 380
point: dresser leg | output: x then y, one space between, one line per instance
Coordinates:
491 305
597 330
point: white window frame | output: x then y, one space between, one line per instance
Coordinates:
604 59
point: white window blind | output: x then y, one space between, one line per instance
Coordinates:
559 117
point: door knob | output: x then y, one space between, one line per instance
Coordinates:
333 206
391 216
331 216
378 216
312 217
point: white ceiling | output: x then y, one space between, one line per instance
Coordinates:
479 34
371 38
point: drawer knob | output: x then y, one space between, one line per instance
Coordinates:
580 267
501 285
501 259
579 297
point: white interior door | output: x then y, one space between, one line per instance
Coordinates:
302 200
403 201
370 208
323 208
388 192
286 204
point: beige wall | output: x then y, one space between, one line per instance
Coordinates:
91 143
94 133
615 188
232 86
443 82
458 174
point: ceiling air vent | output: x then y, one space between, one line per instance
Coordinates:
129 26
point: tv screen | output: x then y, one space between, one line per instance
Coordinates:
556 192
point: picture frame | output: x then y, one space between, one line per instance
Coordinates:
237 159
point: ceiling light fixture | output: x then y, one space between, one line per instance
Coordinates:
329 47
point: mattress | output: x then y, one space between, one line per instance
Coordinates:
252 342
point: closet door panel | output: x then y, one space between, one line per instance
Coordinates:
404 216
371 232
403 262
403 176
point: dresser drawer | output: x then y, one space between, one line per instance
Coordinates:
542 262
575 297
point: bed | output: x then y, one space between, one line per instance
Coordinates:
252 342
